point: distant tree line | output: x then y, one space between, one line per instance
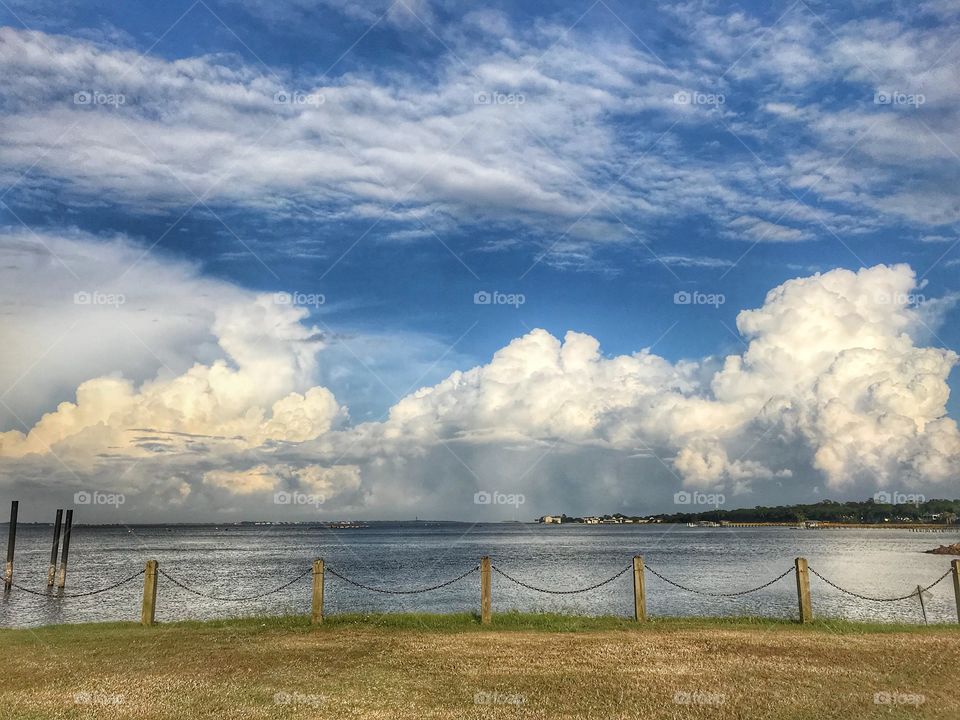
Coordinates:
867 511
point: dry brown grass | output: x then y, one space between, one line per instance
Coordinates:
419 668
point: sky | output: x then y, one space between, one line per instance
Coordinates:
311 259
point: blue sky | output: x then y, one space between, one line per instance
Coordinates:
595 158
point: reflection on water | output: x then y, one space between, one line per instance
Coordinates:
242 560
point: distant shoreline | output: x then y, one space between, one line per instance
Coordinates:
371 524
795 525
849 526
886 509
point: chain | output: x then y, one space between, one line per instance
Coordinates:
559 592
235 599
402 592
335 573
83 594
876 599
711 594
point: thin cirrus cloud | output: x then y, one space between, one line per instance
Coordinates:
567 132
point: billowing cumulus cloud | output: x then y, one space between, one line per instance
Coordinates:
247 398
73 309
829 367
835 387
832 361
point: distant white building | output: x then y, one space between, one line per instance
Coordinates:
555 519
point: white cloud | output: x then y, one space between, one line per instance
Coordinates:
412 150
323 483
830 369
833 385
203 357
690 261
201 127
298 15
898 159
242 482
248 399
53 342
760 230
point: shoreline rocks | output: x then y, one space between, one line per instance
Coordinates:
945 550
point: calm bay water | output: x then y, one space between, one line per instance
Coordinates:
245 560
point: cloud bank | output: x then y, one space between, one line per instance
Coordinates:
835 387
543 129
829 365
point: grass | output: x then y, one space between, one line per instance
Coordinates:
449 666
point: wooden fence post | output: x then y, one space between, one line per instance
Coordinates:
65 552
486 598
149 610
52 572
316 614
11 545
639 590
956 585
803 590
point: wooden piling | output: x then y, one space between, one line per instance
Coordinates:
956 584
148 611
639 590
803 590
486 595
923 607
11 545
65 552
316 614
52 572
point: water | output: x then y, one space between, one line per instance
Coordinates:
244 560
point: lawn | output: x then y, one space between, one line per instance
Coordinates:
521 666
